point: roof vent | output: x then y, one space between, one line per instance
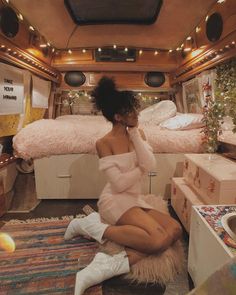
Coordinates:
87 12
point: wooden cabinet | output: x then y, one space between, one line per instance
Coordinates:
212 176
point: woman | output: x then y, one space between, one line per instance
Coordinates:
125 157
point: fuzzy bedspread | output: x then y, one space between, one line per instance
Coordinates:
78 134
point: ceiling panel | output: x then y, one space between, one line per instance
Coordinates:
176 20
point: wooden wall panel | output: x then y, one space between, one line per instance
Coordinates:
79 61
208 54
124 80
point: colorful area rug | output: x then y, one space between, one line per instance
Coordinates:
43 263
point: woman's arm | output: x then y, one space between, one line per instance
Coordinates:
144 152
118 180
122 181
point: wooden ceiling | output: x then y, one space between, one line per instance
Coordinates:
177 19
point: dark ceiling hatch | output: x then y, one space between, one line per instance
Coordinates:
87 12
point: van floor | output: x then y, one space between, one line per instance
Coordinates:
56 208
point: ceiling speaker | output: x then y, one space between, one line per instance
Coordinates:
154 79
74 78
9 22
214 27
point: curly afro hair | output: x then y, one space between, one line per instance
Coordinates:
111 101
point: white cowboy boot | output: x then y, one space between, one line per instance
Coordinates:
102 267
90 226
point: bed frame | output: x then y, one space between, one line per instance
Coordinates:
76 176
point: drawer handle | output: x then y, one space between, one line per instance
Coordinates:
64 176
152 173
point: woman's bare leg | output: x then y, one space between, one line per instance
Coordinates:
134 256
172 227
138 230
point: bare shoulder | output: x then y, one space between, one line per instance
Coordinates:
103 147
142 134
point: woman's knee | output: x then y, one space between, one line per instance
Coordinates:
158 243
176 231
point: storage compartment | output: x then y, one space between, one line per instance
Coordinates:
212 176
76 176
182 200
71 176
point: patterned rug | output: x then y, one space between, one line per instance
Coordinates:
43 263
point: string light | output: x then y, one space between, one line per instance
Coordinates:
20 16
198 29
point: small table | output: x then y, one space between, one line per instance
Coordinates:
210 246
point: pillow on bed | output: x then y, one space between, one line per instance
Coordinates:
183 122
158 112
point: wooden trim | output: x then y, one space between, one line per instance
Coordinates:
12 54
220 52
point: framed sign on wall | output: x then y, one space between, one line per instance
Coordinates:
11 90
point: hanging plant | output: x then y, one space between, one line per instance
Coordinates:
224 104
213 113
226 88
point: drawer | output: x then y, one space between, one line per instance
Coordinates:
212 176
74 176
182 200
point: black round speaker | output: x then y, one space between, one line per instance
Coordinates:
214 27
154 79
9 22
74 78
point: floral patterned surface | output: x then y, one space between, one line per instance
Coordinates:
213 215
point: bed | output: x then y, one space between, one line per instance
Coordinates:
66 164
77 134
65 159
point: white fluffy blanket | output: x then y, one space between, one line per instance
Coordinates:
78 134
